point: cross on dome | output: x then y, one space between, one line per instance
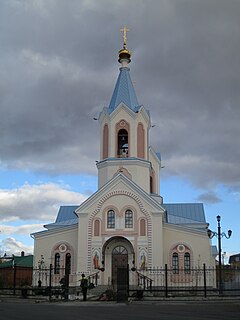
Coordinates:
124 30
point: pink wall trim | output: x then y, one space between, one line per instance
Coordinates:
140 141
105 141
96 228
142 227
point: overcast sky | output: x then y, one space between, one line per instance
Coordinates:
58 68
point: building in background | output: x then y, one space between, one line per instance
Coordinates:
234 260
16 271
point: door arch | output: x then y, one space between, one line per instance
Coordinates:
117 252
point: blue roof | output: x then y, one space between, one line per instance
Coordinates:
66 213
66 217
158 155
181 213
177 213
124 92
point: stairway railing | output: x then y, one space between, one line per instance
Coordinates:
93 279
144 281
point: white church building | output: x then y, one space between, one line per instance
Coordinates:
125 223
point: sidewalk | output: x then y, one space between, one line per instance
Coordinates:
79 302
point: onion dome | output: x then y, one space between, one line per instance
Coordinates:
124 55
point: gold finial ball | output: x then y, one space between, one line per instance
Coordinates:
124 54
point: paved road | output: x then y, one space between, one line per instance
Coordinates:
26 310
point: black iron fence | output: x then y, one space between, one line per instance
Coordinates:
49 282
156 282
169 282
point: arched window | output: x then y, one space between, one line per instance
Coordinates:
122 143
129 219
57 263
142 227
96 228
119 250
175 263
68 263
187 263
111 219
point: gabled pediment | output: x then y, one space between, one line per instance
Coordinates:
120 185
122 106
134 114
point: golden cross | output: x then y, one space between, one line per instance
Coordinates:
124 30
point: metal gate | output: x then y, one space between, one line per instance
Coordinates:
122 284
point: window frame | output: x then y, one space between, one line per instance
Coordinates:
175 263
57 263
128 219
111 223
187 263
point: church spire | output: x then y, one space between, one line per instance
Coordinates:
124 90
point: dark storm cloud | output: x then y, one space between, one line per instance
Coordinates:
209 197
58 67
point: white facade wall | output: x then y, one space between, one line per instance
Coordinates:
157 246
197 241
138 169
156 165
46 242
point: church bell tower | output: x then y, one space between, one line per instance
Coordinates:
124 134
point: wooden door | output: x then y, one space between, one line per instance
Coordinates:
119 260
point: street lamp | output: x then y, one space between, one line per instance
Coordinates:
219 235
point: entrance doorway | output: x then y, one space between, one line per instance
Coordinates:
119 261
117 253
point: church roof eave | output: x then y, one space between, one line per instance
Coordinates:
53 230
194 229
61 224
120 161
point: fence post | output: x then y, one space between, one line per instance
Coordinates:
127 280
96 279
166 281
14 277
204 280
66 292
50 282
